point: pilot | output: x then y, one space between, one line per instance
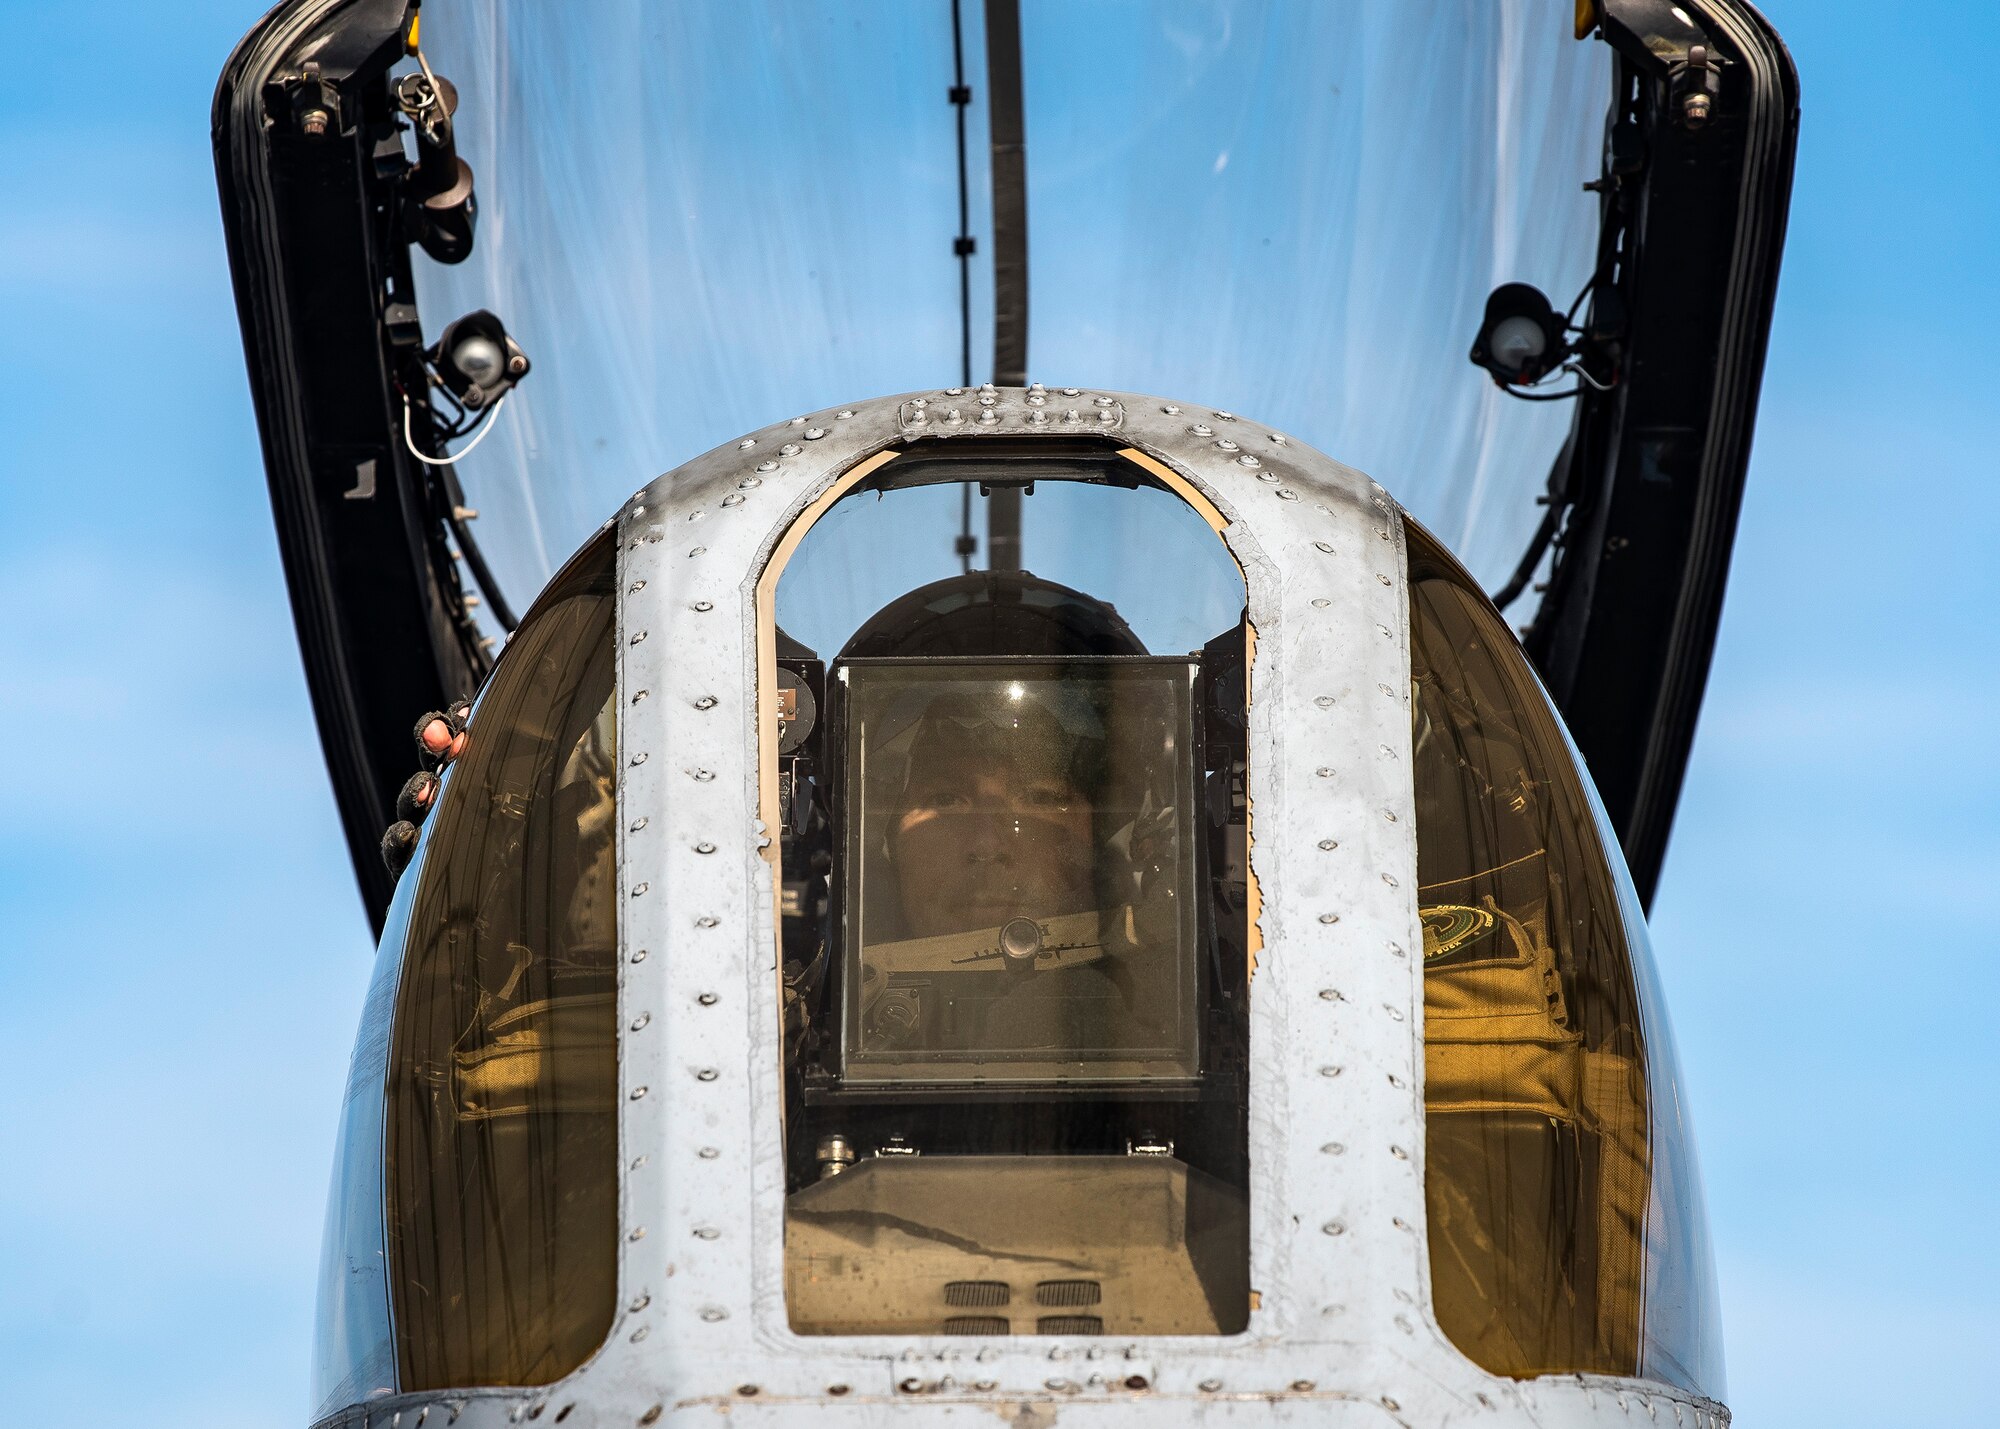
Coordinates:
1005 804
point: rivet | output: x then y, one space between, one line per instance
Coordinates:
639 1022
708 1153
1332 1148
1325 702
813 434
767 466
1329 918
988 387
1038 419
1285 493
638 1233
1107 417
1072 415
1387 752
988 401
1302 1386
734 498
707 1233
637 638
844 413
746 444
1334 1228
1270 477
790 449
953 417
706 920
1385 689
1060 1386
1136 1381
1209 1386
639 1302
639 956
1225 416
1399 1223
1202 429
1324 547
651 1415
706 999
697 551
638 695
1390 879
1038 399
1247 460
916 419
1399 1153
988 418
637 586
746 1390
1325 771
1321 603
639 1334
836 1390
639 890
1329 845
1279 438
701 606
1384 579
638 511
1395 1081
920 402
1226 445
1390 815
1329 994
1102 401
985 1386
1395 1013
696 515
639 823
750 483
701 776
714 1313
1171 410
706 702
1329 1071
797 422
638 759
704 847
1397 950
706 1074
1072 391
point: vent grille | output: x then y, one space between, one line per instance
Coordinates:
1069 1325
976 1325
977 1294
1068 1292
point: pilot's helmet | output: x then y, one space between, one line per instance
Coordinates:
988 785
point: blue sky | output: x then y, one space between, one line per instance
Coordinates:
186 954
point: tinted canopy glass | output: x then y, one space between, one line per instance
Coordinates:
1565 1218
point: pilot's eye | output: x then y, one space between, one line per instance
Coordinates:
1048 796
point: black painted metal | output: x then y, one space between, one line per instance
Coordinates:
1010 250
312 228
1688 265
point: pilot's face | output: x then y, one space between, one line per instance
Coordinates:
980 840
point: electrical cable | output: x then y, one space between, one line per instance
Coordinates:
483 428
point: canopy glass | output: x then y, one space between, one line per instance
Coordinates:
700 219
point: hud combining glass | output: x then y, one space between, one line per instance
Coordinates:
1023 862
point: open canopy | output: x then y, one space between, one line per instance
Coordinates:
683 222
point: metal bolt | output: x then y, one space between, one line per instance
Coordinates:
313 122
517 364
